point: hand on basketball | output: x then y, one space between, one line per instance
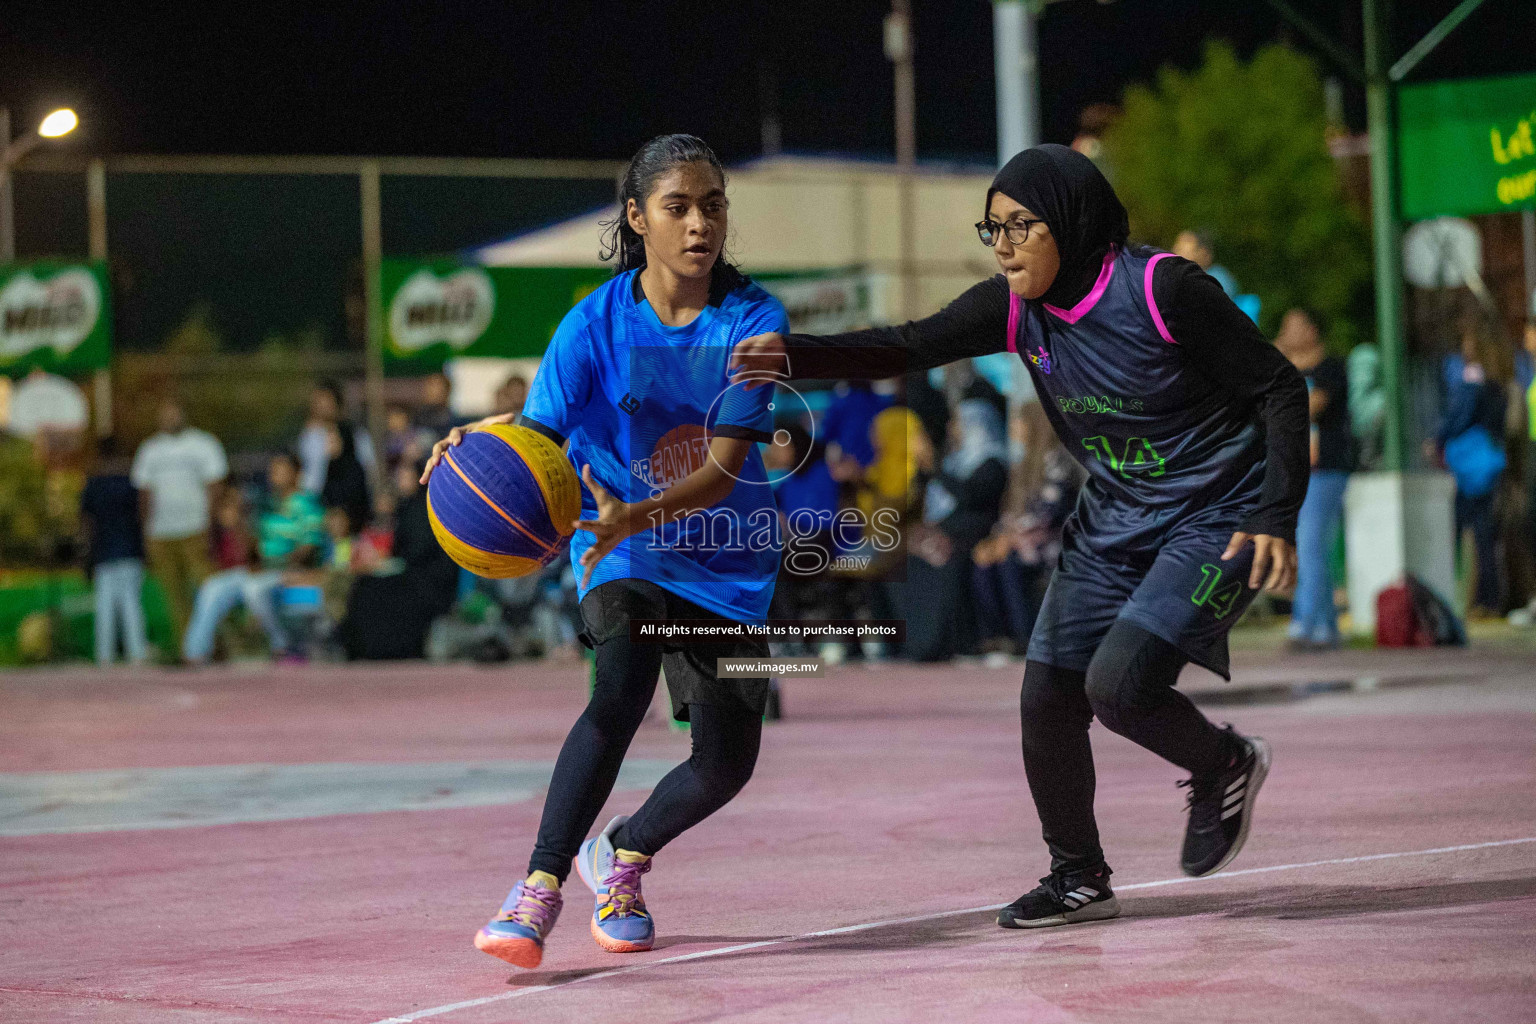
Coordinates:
612 525
757 358
1272 555
456 435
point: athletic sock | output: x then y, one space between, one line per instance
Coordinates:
544 879
630 856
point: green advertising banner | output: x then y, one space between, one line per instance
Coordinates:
1467 147
57 316
437 310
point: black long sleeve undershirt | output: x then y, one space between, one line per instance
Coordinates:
1212 333
1218 338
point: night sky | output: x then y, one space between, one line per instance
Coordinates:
269 256
574 79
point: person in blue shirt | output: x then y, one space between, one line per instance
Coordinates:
1193 432
678 523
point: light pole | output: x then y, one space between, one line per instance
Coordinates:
60 122
898 50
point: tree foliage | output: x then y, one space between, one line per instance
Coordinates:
1238 149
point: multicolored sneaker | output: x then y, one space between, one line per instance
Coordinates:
620 922
516 934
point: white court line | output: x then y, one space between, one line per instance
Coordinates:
407 1018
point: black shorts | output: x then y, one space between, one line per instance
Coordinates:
690 666
1181 591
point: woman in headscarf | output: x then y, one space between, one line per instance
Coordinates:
1193 431
960 505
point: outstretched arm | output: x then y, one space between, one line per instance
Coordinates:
975 324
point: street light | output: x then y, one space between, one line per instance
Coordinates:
60 122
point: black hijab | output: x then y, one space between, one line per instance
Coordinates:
1072 196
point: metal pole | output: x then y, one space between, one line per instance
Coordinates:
1386 231
898 47
1016 77
96 216
7 210
373 315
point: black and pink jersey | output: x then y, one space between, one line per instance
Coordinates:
1155 381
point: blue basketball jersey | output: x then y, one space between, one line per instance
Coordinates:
1160 438
639 401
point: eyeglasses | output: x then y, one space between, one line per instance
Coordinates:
1017 230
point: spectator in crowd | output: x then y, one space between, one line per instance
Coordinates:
1013 564
927 401
109 515
1470 443
434 416
389 614
400 441
807 496
845 430
337 456
233 544
894 479
961 504
511 395
1196 247
290 535
1314 621
178 472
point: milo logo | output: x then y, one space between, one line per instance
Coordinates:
455 309
57 313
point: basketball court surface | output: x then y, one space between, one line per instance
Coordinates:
321 843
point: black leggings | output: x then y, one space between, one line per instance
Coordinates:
1129 685
725 744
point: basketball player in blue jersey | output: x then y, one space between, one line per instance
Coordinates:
1194 433
678 522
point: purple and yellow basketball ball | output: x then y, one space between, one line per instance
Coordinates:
501 502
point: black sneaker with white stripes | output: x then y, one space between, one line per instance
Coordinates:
1221 807
1063 899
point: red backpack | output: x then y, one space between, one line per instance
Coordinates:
1409 614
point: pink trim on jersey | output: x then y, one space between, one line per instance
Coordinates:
1087 302
1157 318
1015 305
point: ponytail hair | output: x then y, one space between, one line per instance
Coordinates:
621 244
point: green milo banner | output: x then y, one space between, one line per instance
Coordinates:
1467 147
57 316
437 310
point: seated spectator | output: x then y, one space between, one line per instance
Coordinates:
109 514
1014 563
390 610
233 544
290 536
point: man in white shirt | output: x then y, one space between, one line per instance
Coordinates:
177 472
